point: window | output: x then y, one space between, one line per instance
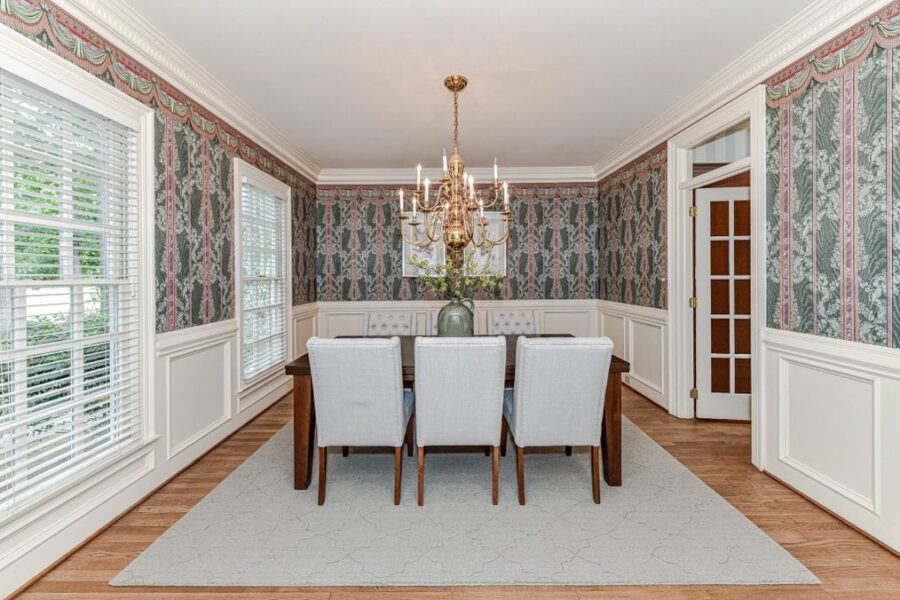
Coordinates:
70 322
264 288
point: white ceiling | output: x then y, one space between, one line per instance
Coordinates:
358 83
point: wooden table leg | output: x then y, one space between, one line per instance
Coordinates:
304 431
611 437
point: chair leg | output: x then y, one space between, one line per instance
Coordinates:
495 497
595 472
487 450
409 437
323 465
520 468
568 450
345 451
398 473
504 433
421 476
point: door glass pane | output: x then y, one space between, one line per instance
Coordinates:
741 257
720 375
718 218
719 300
718 258
742 375
721 334
742 297
742 336
742 217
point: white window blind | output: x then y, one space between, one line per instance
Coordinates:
264 280
70 378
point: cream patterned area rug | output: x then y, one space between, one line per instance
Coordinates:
663 526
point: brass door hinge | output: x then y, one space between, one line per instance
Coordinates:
695 393
692 211
692 302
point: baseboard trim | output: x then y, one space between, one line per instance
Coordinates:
832 513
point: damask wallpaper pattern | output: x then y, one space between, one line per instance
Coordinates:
633 232
194 199
552 251
833 183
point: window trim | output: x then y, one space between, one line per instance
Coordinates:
244 172
30 61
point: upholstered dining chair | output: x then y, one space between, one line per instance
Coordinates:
390 323
563 409
512 322
360 400
459 396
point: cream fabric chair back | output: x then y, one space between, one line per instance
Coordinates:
390 323
512 322
459 390
358 391
559 391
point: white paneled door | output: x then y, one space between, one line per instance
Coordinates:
722 275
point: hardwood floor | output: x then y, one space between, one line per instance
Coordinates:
848 564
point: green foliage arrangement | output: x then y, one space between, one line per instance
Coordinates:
467 279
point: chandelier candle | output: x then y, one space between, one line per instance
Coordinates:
456 212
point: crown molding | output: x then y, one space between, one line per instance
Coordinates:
407 176
813 26
126 28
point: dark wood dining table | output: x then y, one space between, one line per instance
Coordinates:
305 409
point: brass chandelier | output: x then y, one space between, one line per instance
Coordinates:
454 210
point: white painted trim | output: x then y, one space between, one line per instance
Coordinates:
866 358
186 345
810 28
680 268
126 28
875 511
631 316
723 172
819 364
194 337
659 316
585 174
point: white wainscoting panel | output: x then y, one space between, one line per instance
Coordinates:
639 336
832 413
192 410
578 317
304 324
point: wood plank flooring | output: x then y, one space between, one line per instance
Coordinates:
848 564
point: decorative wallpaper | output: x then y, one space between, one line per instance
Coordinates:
552 251
833 188
194 220
633 232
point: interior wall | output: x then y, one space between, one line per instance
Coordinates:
633 232
833 199
552 251
831 366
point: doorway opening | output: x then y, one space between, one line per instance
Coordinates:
716 208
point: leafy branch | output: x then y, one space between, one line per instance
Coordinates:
464 280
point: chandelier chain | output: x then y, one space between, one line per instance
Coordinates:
455 122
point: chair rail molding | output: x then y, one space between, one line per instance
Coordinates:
126 28
803 33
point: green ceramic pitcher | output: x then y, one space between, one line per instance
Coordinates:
457 319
